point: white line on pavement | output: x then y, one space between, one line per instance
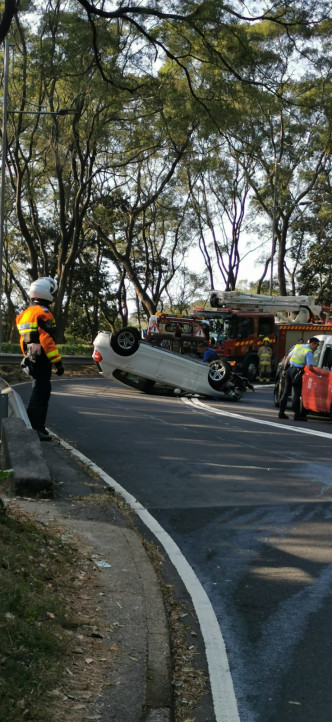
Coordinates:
242 417
224 702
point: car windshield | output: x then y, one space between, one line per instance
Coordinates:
223 327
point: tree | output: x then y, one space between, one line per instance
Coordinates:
313 247
219 190
57 141
100 156
147 231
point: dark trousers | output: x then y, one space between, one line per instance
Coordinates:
293 381
41 392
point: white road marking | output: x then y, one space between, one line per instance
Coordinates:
242 417
223 695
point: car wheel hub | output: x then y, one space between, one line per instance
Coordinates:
217 373
126 340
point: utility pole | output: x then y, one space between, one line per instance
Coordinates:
3 171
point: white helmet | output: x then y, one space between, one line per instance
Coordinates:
44 289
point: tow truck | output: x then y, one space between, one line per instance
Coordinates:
239 322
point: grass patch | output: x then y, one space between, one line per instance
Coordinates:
33 617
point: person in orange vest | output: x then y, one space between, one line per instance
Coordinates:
264 357
36 326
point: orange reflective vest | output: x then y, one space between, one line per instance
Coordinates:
37 325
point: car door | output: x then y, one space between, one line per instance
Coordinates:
315 390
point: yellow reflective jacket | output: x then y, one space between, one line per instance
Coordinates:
265 354
299 354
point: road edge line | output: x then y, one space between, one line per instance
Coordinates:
196 403
222 689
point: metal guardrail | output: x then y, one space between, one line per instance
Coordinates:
11 403
9 359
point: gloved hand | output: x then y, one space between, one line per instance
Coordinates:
26 366
59 368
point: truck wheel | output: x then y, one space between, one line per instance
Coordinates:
125 342
250 368
218 374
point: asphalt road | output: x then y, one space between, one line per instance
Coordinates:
249 505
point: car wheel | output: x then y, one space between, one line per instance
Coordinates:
125 342
218 374
250 368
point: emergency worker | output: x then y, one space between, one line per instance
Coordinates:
36 326
210 353
265 357
299 357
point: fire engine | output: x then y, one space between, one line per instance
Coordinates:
238 322
245 319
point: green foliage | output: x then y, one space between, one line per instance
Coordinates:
10 347
70 348
100 195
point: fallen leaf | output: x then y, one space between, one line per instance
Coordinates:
88 660
133 658
114 648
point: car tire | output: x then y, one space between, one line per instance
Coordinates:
218 374
276 396
126 341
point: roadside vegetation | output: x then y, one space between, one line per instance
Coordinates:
53 662
36 570
12 373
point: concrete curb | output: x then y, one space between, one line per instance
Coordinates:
21 451
158 695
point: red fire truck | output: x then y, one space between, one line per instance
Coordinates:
248 318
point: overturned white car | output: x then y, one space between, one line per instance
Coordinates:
125 357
